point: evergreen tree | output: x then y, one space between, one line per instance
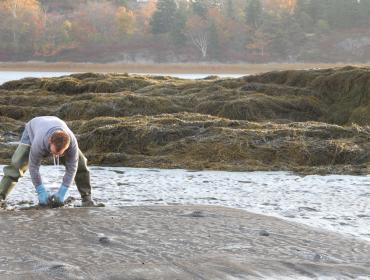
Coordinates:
214 44
294 36
124 3
341 13
316 10
274 34
164 17
364 7
313 15
303 17
301 7
357 13
200 9
253 13
230 10
177 30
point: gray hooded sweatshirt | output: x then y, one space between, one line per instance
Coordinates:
39 130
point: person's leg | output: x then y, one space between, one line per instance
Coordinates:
17 167
82 179
14 171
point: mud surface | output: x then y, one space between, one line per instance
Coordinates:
172 242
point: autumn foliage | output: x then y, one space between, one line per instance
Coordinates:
185 31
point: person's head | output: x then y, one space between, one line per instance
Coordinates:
59 142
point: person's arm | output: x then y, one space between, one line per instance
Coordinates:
71 164
35 158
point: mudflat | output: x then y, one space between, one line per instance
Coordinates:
172 242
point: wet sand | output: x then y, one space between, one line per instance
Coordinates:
172 242
242 68
339 203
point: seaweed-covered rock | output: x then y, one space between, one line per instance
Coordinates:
284 120
338 96
116 105
190 140
344 91
67 85
80 83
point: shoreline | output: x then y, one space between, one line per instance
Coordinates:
279 194
175 68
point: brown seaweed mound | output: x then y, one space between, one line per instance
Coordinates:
305 120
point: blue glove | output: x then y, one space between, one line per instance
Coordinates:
59 196
42 194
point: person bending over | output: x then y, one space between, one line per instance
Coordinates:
44 136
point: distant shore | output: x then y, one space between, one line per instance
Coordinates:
177 68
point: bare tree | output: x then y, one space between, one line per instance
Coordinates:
198 33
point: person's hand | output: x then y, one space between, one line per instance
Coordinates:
42 195
58 198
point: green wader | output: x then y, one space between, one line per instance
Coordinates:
19 165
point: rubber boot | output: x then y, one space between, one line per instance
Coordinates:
87 201
14 171
82 178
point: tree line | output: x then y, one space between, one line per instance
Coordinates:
185 31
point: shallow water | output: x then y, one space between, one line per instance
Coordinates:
336 202
6 76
